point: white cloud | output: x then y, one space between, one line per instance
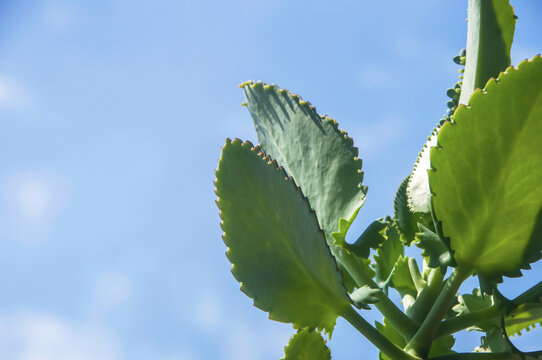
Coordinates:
12 94
31 202
111 290
41 336
207 312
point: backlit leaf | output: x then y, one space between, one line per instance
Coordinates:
487 173
306 345
278 252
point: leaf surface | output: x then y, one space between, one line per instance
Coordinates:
491 27
434 249
387 255
321 158
306 345
278 252
487 173
406 220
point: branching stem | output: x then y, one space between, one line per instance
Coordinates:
420 344
375 337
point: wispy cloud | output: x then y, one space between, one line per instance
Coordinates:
31 202
111 289
42 336
12 94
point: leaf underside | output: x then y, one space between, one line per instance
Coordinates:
321 158
487 171
278 252
306 345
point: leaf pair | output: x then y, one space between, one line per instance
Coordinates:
279 252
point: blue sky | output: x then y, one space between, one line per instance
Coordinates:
112 116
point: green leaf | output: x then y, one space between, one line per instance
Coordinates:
406 220
321 158
403 283
486 175
491 27
371 238
306 345
364 296
524 317
434 249
469 303
494 341
387 255
418 193
278 252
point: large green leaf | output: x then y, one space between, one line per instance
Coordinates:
278 252
321 158
490 34
487 174
306 345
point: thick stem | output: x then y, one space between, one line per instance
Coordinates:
464 321
422 340
402 323
490 33
375 337
427 297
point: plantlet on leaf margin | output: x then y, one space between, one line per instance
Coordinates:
473 203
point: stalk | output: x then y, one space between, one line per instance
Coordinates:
490 32
375 337
421 343
398 319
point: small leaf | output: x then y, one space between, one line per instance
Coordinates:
469 303
434 249
494 342
418 192
387 255
278 252
306 345
403 283
406 220
486 175
371 238
364 296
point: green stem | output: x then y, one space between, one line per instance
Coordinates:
427 297
375 337
420 344
490 33
461 322
464 321
402 323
